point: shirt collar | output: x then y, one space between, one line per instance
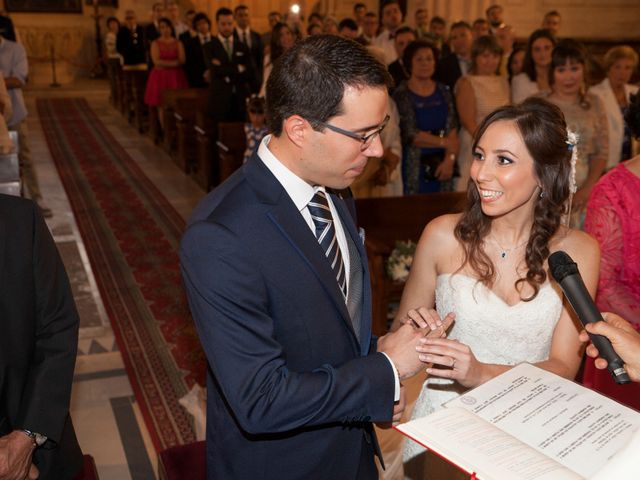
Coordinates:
300 191
222 39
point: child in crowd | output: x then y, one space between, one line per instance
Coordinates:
256 128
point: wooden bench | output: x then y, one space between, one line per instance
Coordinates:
392 219
232 142
185 114
135 82
169 129
205 151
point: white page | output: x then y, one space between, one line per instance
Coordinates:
578 427
477 446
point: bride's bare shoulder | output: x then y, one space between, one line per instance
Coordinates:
576 243
438 235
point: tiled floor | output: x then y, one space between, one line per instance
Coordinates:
107 420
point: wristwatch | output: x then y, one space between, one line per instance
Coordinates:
37 438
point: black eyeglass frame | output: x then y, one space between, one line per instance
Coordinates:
365 139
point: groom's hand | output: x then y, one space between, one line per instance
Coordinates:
401 345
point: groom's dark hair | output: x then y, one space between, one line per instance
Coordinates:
309 80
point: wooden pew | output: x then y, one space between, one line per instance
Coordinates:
392 219
135 80
205 152
185 113
169 99
232 142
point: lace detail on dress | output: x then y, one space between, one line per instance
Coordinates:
496 332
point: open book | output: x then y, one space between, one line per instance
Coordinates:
527 424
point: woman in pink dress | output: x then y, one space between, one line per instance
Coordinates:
167 54
613 218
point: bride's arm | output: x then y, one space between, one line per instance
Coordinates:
566 349
418 296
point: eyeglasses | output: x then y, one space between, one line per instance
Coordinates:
366 140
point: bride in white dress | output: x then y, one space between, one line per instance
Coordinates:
488 265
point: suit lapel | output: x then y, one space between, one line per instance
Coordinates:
295 230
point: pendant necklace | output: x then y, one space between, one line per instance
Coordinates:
504 251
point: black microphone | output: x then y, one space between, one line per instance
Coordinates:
565 271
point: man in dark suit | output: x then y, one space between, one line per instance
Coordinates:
130 41
152 30
39 325
277 281
194 65
250 38
231 72
404 36
451 67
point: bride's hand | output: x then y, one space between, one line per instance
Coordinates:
430 319
458 357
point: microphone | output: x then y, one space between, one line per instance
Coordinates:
565 271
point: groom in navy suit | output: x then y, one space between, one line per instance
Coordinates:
277 281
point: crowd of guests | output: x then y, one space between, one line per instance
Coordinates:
446 82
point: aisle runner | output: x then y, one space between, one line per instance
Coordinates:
131 234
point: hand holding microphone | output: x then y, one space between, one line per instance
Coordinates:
565 271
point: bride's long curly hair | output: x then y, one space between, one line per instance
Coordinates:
544 132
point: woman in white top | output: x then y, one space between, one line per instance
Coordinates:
477 94
620 62
535 72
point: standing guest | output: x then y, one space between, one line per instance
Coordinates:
316 18
282 39
112 58
330 25
348 28
480 28
255 129
152 30
39 341
477 94
194 65
359 11
391 20
6 144
422 22
173 13
232 75
552 21
249 37
615 91
506 38
7 29
437 34
534 78
274 18
312 29
369 29
613 218
167 54
428 124
515 63
495 17
191 32
451 67
130 41
295 376
15 69
404 36
585 115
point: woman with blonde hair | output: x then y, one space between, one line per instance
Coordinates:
615 91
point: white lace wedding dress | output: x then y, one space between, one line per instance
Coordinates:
495 331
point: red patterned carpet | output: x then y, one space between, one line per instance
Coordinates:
131 234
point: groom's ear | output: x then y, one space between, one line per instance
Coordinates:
297 130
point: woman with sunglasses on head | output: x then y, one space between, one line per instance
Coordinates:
428 123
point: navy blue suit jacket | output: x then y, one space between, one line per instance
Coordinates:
291 391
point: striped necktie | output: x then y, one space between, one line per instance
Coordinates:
326 235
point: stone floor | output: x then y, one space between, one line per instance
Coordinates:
107 420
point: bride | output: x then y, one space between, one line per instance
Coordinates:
488 265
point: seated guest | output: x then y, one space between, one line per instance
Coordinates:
515 62
451 67
167 54
585 116
369 28
427 123
613 218
534 78
232 75
282 39
255 129
250 38
552 22
404 36
619 62
130 41
194 65
477 94
348 28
